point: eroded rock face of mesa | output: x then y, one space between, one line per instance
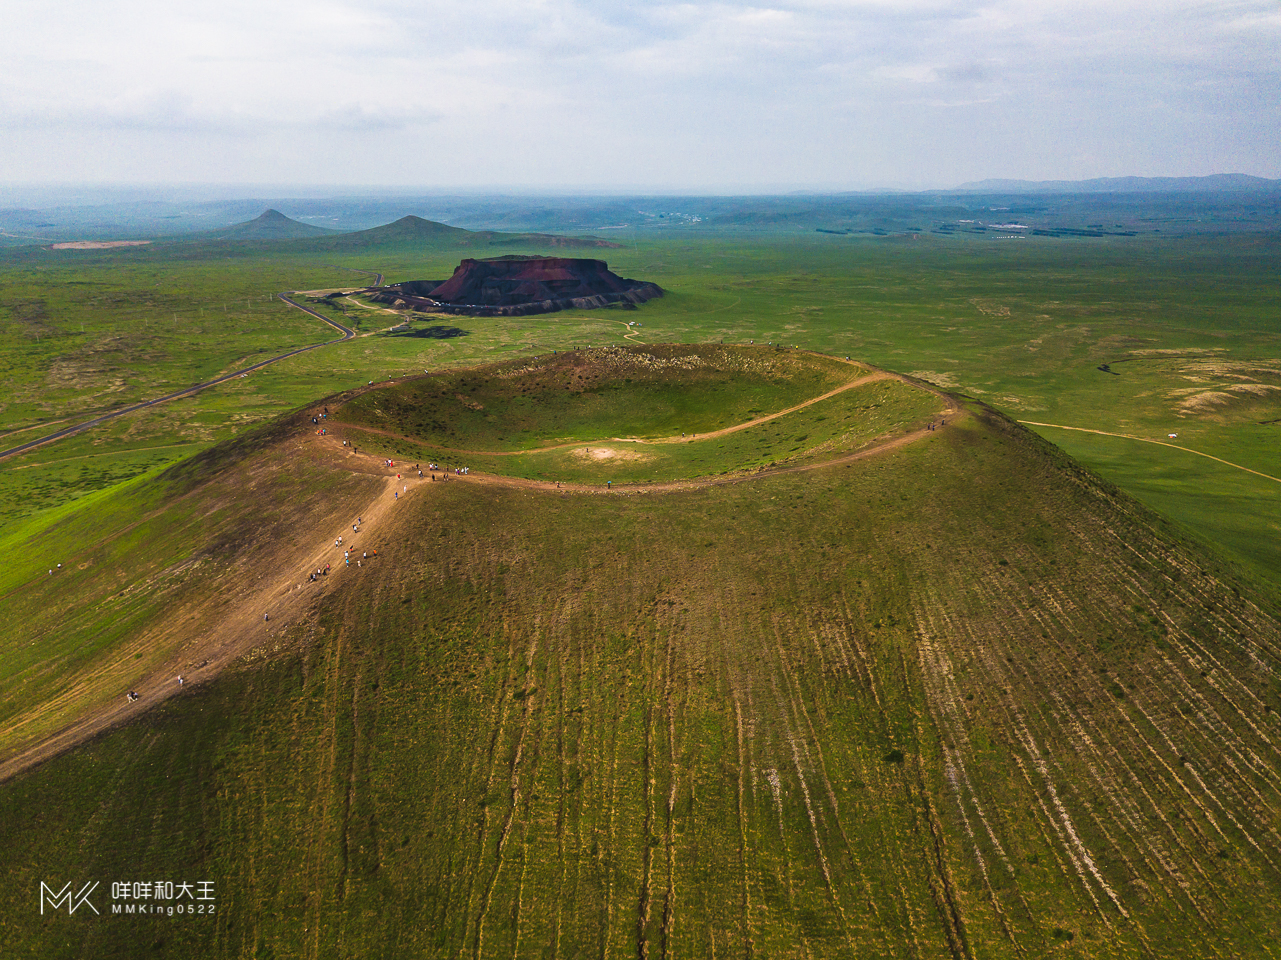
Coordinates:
516 285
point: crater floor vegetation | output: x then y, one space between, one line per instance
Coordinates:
631 414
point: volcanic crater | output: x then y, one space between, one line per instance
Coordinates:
517 285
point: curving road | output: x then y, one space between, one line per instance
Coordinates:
347 334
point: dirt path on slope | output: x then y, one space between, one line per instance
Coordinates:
208 639
210 635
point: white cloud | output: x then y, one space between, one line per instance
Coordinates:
693 93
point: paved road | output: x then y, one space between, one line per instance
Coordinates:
347 334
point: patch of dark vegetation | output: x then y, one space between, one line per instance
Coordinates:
436 332
1077 232
32 316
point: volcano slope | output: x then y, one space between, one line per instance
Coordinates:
958 698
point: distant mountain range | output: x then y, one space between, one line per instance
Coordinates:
1215 183
274 225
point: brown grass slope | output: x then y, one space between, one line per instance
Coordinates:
959 700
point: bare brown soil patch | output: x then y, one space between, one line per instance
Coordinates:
601 454
98 244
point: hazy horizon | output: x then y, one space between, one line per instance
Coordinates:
56 194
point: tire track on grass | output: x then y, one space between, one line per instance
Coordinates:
1160 443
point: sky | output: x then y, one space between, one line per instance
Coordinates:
637 95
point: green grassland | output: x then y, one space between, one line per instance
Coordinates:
858 712
1188 326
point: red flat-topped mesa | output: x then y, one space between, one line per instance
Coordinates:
512 285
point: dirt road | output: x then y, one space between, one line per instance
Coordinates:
347 334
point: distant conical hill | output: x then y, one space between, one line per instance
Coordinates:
944 695
272 225
409 230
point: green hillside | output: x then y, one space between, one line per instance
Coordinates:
957 699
